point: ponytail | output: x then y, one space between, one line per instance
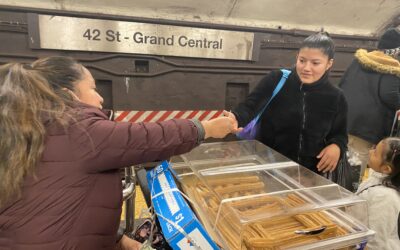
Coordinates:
26 100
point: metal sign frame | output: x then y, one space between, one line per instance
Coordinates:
85 34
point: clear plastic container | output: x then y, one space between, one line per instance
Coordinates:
248 196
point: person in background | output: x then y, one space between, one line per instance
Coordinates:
306 121
382 192
371 85
60 186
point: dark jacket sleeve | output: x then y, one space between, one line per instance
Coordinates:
338 132
254 102
389 91
109 145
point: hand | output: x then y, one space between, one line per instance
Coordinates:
329 158
235 124
219 127
127 243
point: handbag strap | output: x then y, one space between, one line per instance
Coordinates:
285 75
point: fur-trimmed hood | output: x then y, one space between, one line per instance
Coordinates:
377 61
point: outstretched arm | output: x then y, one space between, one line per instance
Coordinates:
248 109
110 145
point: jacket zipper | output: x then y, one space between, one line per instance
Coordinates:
303 122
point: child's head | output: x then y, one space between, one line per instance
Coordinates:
385 158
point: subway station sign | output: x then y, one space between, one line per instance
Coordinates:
84 34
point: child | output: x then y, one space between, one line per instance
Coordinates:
381 190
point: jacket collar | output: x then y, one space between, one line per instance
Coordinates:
322 81
377 61
374 179
78 111
105 112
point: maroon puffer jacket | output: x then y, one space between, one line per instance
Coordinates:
74 200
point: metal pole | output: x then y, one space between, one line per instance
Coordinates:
129 196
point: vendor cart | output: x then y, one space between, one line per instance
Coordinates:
248 196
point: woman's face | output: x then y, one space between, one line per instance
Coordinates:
312 64
85 90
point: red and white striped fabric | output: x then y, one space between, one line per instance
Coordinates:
159 116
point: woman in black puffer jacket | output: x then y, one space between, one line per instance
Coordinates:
306 121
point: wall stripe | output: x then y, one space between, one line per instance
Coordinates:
163 115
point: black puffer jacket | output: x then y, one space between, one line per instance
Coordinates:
301 120
371 86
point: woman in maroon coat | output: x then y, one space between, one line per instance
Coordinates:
60 186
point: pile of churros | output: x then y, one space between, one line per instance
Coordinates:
275 232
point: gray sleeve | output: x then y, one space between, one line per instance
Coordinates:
200 130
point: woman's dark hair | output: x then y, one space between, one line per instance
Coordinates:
31 95
322 41
26 99
61 73
391 156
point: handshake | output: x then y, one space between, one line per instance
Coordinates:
221 126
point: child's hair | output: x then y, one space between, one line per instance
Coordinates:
322 41
391 155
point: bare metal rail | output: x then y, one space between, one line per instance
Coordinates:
129 194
